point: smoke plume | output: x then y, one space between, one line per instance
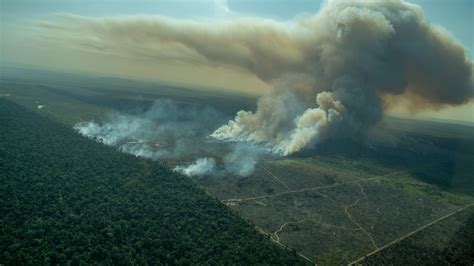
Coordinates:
167 129
242 159
172 130
201 167
330 71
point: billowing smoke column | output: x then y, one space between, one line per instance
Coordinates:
356 53
330 71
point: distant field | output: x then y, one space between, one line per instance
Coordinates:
73 98
334 204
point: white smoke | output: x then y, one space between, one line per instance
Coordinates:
119 128
166 130
202 166
266 126
242 159
169 130
313 124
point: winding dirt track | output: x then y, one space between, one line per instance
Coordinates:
283 245
275 234
275 238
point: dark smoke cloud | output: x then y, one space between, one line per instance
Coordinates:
348 57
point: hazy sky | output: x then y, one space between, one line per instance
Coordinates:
455 15
20 46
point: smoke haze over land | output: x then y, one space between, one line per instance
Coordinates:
167 129
176 131
201 167
330 71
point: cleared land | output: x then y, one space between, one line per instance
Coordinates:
340 216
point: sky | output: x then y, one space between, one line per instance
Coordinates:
20 44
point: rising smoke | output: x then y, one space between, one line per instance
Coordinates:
202 166
330 71
242 159
172 130
166 130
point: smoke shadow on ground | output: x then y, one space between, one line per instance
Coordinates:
444 161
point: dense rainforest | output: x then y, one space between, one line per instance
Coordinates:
65 199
